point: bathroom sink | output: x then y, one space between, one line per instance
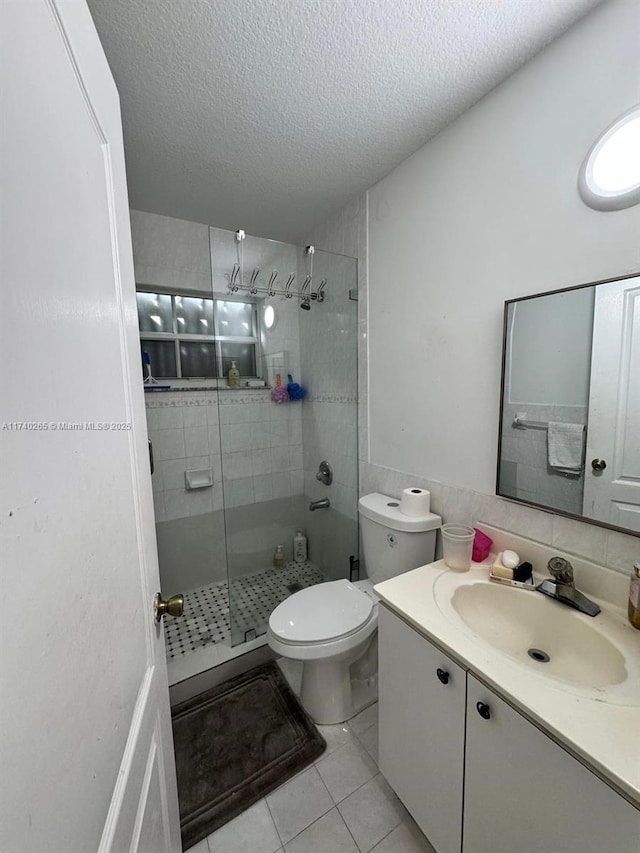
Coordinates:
543 634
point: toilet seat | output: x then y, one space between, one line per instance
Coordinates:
322 613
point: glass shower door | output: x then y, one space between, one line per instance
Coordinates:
269 449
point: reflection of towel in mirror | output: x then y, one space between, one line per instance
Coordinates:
566 447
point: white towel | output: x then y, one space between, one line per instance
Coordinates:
565 443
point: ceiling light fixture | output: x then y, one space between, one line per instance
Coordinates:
609 177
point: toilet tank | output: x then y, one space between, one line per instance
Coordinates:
392 542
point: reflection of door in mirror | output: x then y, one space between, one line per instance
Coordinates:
570 410
612 493
546 382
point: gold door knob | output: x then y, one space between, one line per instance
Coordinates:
598 464
174 606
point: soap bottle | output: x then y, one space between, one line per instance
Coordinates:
634 597
233 376
300 547
278 557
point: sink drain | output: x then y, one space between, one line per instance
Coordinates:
539 655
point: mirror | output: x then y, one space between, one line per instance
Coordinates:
570 405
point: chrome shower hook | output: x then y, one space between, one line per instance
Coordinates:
253 287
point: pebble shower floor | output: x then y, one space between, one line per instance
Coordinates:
206 618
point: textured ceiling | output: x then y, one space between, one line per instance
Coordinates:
269 115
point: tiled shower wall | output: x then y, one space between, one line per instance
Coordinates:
262 446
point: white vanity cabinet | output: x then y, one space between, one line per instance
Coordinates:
456 748
525 793
422 710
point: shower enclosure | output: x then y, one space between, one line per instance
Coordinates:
241 479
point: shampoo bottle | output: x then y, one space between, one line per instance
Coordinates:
278 557
300 547
634 597
233 376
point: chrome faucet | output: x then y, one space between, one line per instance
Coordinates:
563 589
321 504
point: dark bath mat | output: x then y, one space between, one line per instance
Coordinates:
234 744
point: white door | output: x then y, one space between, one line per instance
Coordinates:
87 760
613 494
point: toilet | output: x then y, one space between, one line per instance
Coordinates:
332 627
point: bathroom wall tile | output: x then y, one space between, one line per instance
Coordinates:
214 438
459 505
295 431
157 484
281 482
158 507
327 834
213 414
166 418
298 803
578 538
236 465
371 812
515 517
280 458
168 444
226 415
260 435
238 492
179 503
297 482
279 433
194 416
260 462
295 460
217 496
252 830
345 770
622 551
215 460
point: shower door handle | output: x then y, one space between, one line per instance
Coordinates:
174 606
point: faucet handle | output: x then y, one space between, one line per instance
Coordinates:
562 570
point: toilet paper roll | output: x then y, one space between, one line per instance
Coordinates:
415 502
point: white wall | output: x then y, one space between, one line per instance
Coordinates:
549 349
487 211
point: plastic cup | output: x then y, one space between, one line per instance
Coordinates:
457 546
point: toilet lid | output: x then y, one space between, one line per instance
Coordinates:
322 612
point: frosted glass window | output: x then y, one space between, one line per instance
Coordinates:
194 316
198 358
244 356
163 358
186 338
155 313
235 319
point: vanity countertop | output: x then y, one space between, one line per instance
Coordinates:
603 734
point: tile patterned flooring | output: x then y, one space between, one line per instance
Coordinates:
207 620
340 804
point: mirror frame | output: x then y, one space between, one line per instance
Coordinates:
545 507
